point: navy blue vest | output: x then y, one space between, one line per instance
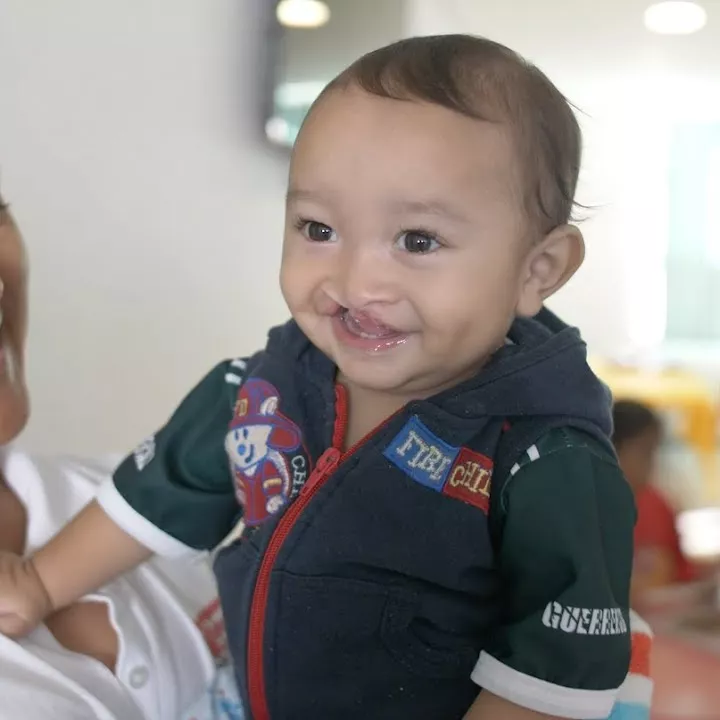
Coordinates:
365 588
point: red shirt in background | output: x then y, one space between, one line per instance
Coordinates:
655 529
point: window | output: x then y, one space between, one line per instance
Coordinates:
693 262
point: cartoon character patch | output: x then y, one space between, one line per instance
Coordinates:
258 438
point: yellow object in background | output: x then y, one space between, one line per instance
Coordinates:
683 396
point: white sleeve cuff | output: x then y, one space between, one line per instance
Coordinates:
539 695
133 523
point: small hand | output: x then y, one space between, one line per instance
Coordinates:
24 601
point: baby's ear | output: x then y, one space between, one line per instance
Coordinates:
548 266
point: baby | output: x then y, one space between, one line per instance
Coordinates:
659 559
420 458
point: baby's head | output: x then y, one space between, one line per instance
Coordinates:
637 435
430 192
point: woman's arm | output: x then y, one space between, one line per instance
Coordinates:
13 521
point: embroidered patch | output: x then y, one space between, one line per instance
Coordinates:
469 479
257 442
421 455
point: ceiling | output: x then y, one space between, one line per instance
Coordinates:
566 37
590 35
355 27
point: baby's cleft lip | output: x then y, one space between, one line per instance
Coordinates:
361 331
366 325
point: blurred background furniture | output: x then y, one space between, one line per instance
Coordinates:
686 401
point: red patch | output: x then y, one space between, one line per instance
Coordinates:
211 623
469 479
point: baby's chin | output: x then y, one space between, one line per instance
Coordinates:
386 378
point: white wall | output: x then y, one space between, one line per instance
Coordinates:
129 146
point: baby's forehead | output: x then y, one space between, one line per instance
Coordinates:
483 82
351 111
355 138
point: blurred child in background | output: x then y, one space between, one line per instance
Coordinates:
659 560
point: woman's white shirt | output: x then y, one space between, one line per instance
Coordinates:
163 665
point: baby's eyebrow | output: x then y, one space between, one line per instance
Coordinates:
295 194
428 207
417 207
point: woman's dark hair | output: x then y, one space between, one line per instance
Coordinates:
631 419
486 81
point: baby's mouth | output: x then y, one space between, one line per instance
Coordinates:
363 325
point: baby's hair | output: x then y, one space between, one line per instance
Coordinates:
487 81
632 419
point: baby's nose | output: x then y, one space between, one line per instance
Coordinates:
364 279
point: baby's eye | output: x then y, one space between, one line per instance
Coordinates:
417 242
317 231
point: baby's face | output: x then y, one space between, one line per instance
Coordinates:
14 405
405 246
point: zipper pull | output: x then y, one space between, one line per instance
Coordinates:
325 465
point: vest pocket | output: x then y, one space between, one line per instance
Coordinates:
419 646
347 646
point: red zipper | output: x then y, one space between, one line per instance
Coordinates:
326 465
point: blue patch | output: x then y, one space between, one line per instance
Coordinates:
422 455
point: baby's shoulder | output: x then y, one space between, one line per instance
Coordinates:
565 445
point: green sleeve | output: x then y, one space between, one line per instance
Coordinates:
176 489
565 559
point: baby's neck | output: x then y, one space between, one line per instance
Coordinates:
367 410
